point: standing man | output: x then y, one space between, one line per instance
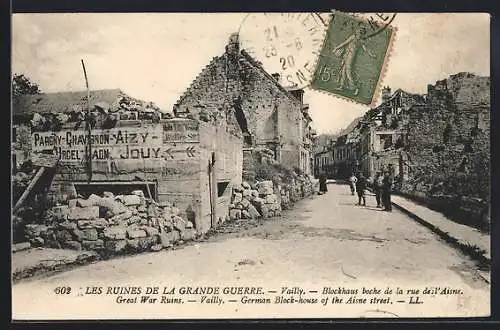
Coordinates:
322 184
386 191
352 183
360 188
377 187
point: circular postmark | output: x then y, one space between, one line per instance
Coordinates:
377 22
285 43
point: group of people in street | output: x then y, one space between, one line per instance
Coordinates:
381 185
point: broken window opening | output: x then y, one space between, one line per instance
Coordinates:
222 188
117 188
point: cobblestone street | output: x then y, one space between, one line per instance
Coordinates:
323 241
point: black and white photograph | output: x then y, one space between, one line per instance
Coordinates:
170 166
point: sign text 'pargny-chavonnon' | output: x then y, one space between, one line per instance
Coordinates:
118 143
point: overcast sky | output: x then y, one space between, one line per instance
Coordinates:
155 57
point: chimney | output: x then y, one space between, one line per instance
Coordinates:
386 93
276 76
233 46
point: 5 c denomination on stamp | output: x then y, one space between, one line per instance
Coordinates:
353 58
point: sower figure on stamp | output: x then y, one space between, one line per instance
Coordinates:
347 50
360 189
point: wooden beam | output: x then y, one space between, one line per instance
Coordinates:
28 189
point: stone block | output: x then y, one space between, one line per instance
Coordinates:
93 245
60 213
63 236
179 223
237 197
115 233
175 210
33 230
168 238
245 203
245 214
21 246
100 223
247 194
136 233
94 200
264 191
134 219
265 210
80 202
151 231
84 213
271 199
37 241
188 234
245 185
141 208
131 200
68 225
235 214
156 247
111 207
119 218
139 193
116 245
108 194
189 224
73 245
72 203
78 235
90 234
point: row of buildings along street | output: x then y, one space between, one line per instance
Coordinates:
436 146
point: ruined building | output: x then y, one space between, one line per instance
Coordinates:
273 120
448 145
189 163
382 132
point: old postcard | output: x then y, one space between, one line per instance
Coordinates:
250 165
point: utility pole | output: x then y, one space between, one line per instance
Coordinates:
89 128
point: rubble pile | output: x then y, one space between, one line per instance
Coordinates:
102 114
249 202
111 224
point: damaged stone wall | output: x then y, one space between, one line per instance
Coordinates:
448 148
235 87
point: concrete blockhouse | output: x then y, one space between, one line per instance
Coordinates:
189 163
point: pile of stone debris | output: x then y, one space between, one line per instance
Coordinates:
111 224
102 114
249 202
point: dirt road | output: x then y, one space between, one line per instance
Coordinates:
325 244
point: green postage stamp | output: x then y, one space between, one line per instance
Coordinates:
352 60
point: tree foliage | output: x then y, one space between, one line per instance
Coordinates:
22 85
